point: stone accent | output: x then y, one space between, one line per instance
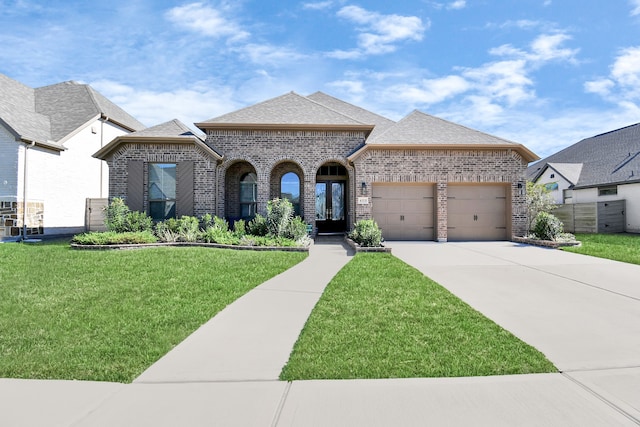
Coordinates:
11 215
204 170
441 167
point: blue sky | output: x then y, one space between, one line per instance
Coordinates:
544 73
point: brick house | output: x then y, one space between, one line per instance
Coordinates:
422 178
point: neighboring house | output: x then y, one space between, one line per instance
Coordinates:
422 178
47 137
603 168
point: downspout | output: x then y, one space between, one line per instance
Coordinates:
103 119
24 190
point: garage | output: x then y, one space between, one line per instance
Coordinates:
404 211
477 212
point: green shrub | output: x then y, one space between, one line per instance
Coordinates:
279 214
240 227
296 229
115 214
547 226
220 224
216 235
206 221
137 221
114 238
257 226
366 233
188 228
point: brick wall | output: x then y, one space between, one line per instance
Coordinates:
204 170
442 167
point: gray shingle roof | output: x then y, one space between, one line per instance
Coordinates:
609 158
52 113
365 116
172 128
419 128
288 109
570 171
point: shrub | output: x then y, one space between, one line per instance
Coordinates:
188 228
240 227
296 229
547 226
137 221
220 224
114 238
538 199
366 233
257 226
206 221
115 214
279 214
216 235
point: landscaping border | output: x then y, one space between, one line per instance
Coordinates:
359 248
190 244
544 243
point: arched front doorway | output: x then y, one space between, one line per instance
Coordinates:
241 191
331 198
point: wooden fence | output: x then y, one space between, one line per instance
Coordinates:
596 217
94 214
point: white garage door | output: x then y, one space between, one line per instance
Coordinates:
477 212
404 212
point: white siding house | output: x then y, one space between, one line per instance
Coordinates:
47 138
603 168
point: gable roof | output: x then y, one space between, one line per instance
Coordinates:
569 171
171 132
609 158
51 114
289 111
419 130
365 116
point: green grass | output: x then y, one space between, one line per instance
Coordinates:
380 318
108 315
619 247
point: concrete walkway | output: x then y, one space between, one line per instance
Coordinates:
225 374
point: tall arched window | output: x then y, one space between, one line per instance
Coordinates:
248 195
290 189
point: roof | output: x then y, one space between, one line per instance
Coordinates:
365 116
607 159
570 171
50 114
420 129
287 111
171 132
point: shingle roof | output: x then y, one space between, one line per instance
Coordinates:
358 113
51 113
423 129
172 128
288 109
570 171
609 158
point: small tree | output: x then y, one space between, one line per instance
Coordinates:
538 200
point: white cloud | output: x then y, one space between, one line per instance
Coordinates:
547 47
636 7
321 5
265 54
623 82
353 87
457 5
430 91
506 81
379 33
206 20
600 87
626 69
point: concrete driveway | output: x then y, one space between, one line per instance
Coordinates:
582 312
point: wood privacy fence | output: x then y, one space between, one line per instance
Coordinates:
94 214
596 217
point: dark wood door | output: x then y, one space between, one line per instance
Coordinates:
331 207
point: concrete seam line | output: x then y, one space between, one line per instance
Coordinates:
601 398
285 394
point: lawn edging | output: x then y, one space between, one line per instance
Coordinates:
359 248
190 244
544 243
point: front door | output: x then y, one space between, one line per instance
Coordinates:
330 207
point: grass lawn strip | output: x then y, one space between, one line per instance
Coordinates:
107 316
618 247
380 318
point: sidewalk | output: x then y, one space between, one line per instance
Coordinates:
225 374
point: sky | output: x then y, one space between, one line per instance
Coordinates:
543 73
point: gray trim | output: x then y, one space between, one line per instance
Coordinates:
135 185
184 188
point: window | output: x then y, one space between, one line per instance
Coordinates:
567 195
290 189
248 195
553 175
162 191
608 191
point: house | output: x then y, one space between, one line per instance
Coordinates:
602 169
422 178
47 137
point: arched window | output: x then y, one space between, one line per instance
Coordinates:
290 189
248 195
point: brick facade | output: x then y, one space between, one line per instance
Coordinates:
442 167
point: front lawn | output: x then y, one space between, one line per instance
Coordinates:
108 315
619 247
380 318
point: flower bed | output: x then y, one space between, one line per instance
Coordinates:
544 243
